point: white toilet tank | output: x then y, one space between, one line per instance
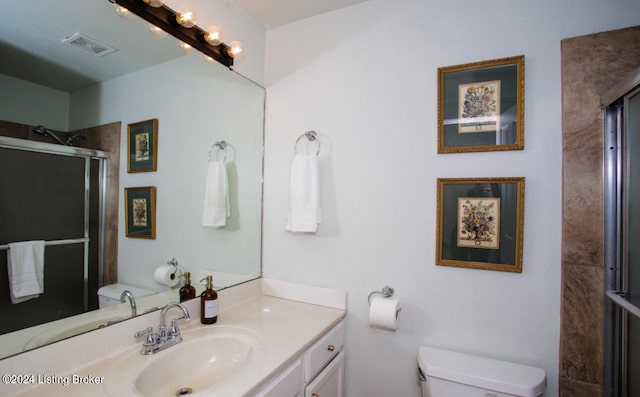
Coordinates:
448 373
109 295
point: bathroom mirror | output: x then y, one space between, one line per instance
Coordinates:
197 103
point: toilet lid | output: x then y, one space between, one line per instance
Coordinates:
485 373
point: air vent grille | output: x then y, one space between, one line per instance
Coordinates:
88 44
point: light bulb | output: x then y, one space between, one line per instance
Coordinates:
213 35
154 3
234 49
186 17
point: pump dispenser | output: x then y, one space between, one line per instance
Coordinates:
208 303
187 291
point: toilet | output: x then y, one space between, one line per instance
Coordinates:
109 295
446 373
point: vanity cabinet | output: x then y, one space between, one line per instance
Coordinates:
286 384
318 372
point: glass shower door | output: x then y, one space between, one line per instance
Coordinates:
53 193
633 237
622 237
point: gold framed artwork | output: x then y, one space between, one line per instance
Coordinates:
480 223
142 144
140 212
481 106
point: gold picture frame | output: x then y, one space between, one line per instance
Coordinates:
142 146
140 212
480 223
481 106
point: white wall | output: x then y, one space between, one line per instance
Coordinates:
365 79
33 104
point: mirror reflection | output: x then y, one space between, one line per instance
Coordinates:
196 104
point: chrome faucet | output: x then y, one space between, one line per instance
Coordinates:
165 336
126 294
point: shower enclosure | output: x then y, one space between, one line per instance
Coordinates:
622 233
53 193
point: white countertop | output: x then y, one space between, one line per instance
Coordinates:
284 327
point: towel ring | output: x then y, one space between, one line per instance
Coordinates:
311 136
222 147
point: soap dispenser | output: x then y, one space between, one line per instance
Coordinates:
187 291
208 303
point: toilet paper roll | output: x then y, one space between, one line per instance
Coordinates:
167 275
383 313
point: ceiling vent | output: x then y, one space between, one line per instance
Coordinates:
88 44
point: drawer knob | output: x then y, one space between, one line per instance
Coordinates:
314 395
330 348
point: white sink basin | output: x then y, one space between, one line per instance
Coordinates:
205 358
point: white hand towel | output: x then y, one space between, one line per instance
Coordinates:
304 201
26 270
216 195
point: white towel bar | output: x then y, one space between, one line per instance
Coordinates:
54 242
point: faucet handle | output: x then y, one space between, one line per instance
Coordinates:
150 337
174 331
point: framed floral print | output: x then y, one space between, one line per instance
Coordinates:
140 212
480 223
142 143
481 106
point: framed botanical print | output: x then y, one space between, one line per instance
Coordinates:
481 106
142 144
480 223
140 212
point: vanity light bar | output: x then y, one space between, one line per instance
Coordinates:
165 18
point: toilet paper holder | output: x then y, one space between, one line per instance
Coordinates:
387 292
177 268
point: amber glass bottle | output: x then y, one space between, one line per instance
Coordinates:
187 291
208 303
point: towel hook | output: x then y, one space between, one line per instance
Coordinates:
311 136
222 147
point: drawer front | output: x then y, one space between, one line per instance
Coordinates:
330 382
319 355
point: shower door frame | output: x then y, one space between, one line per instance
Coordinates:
88 155
618 307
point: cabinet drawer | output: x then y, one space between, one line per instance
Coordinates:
319 355
330 382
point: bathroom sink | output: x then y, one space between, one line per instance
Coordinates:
205 358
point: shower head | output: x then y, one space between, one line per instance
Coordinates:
41 130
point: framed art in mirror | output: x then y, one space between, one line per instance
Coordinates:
142 146
481 106
140 212
480 223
